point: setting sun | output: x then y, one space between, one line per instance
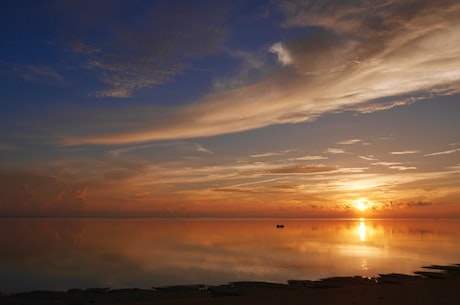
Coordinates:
361 204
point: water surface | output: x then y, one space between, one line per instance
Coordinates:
63 253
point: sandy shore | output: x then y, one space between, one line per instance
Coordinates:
435 285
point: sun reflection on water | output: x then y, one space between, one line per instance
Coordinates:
362 232
364 266
362 229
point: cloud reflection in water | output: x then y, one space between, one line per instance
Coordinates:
67 253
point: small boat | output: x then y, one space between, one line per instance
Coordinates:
279 226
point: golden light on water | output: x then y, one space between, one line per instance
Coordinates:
362 229
232 248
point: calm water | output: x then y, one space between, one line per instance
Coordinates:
59 254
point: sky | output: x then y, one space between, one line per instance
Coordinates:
289 108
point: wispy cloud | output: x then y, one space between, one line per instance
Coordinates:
119 151
349 142
34 72
184 146
201 148
253 66
446 152
455 168
418 204
295 169
271 153
353 169
335 151
283 54
151 48
368 158
351 54
262 155
374 106
386 163
403 168
395 165
405 152
309 158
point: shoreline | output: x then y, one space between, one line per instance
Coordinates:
434 285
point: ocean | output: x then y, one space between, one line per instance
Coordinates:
65 253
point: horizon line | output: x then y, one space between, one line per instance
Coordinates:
225 217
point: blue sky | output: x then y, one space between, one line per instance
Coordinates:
205 108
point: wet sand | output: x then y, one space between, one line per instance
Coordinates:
434 285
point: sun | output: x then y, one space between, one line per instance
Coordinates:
361 204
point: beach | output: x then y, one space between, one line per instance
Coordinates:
433 285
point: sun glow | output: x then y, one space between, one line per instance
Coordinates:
361 204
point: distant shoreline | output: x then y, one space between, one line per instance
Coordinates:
433 285
220 217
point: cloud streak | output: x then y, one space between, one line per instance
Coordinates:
405 152
349 142
309 158
335 151
304 169
351 55
33 73
446 152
